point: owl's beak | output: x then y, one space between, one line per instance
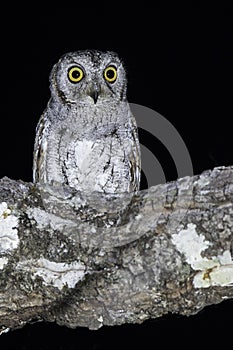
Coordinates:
94 92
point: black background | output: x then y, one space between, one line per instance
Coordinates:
179 63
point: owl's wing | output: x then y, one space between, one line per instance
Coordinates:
40 148
135 162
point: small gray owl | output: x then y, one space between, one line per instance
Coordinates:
87 136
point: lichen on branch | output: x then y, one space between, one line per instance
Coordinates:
93 259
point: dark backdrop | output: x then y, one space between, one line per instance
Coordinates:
179 63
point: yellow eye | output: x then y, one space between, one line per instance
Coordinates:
110 74
75 74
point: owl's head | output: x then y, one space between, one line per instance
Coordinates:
88 76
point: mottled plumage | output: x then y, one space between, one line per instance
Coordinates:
87 136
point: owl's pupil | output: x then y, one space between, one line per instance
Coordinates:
76 74
110 74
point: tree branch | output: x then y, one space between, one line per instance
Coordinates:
96 260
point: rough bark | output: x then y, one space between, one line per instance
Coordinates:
96 260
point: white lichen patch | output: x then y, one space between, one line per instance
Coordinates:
191 244
45 219
221 275
4 330
202 181
55 274
3 262
217 271
101 320
9 239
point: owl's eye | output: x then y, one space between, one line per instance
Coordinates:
110 74
75 74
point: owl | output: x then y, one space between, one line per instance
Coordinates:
87 136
